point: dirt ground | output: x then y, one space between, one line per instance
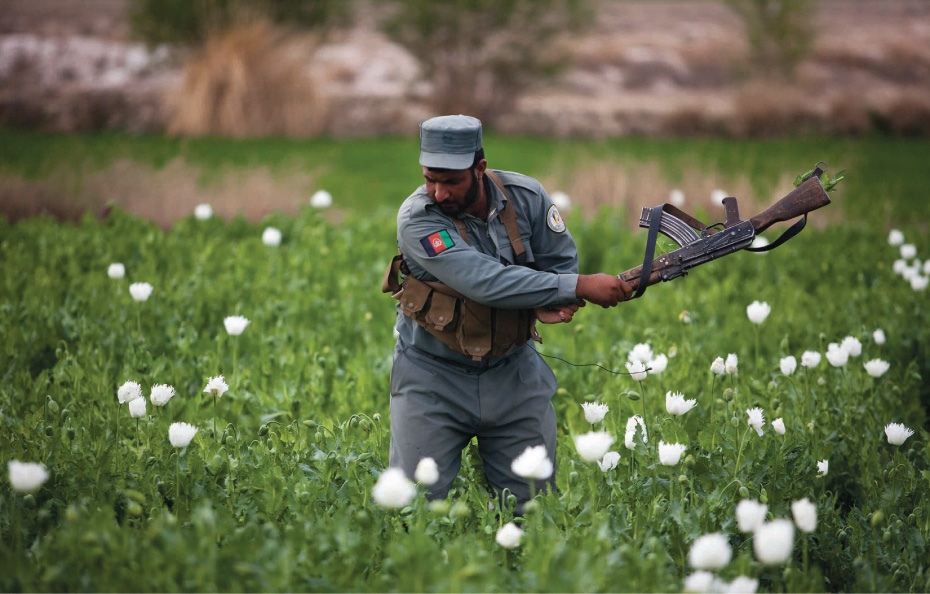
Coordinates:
643 67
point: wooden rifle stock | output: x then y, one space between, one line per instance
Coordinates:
809 196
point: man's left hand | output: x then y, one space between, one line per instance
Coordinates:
556 315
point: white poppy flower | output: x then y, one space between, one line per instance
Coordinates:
710 552
919 283
161 394
779 426
658 364
393 489
897 433
810 359
908 251
899 266
427 471
321 199
137 408
216 386
116 270
641 352
129 392
836 355
926 268
876 367
823 467
593 445
895 238
140 291
203 211
594 412
773 542
271 236
731 364
701 582
676 404
676 198
670 453
805 515
909 272
684 317
756 419
788 364
852 346
181 434
879 335
533 463
235 325
742 585
631 431
561 200
26 477
609 461
717 197
750 515
758 311
509 535
637 370
759 241
718 367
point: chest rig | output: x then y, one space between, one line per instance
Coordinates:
461 323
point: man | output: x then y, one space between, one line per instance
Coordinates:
485 254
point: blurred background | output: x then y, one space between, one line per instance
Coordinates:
254 105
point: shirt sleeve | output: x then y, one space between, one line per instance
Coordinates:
478 276
553 250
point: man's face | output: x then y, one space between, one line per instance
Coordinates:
454 190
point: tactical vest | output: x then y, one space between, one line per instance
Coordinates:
461 323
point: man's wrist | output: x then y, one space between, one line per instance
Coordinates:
568 285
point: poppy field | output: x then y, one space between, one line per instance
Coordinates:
206 409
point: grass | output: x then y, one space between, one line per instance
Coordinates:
885 184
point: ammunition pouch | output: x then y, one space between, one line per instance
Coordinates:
462 324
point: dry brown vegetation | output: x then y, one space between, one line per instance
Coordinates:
249 80
161 195
634 186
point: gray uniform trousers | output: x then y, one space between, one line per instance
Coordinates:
437 406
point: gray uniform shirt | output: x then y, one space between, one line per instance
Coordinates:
484 269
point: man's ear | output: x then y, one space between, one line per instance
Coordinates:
481 167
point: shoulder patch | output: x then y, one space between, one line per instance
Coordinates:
436 243
554 220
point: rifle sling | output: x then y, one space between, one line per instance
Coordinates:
646 271
788 234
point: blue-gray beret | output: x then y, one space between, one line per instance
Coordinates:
449 142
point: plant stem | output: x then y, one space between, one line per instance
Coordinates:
713 435
642 389
739 452
177 499
214 417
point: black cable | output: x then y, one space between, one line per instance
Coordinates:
591 365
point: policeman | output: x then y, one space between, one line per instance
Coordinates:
484 255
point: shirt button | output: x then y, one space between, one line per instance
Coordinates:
441 318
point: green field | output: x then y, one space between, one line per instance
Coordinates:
280 498
886 183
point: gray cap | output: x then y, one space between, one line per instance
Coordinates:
449 142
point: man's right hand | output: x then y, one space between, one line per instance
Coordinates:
605 290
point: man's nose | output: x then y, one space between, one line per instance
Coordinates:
442 193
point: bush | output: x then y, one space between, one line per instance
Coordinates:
190 21
481 55
779 32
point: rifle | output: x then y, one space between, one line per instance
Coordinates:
699 243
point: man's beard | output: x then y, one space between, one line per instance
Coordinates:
471 196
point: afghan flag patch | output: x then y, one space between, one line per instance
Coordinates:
437 243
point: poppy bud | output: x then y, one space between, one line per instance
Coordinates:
728 394
376 417
29 501
877 517
263 431
71 433
49 431
744 492
734 422
682 479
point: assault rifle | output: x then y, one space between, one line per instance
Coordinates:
700 243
